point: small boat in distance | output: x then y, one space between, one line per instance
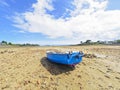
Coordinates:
68 58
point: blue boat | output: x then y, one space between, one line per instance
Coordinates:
70 58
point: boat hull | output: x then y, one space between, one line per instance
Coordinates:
69 59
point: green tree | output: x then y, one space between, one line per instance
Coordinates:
88 41
118 41
81 42
4 42
9 43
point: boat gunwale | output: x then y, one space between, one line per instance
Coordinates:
81 54
59 53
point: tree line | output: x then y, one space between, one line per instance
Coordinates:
90 42
87 42
12 44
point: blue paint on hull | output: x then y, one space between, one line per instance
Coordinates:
65 58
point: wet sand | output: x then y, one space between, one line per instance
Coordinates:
27 68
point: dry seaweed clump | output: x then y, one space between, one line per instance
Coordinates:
90 56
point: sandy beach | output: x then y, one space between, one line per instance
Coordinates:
27 68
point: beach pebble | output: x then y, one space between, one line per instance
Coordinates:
109 70
43 86
79 76
79 83
117 78
110 87
84 63
107 76
51 78
100 85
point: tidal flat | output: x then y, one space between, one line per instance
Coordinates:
27 68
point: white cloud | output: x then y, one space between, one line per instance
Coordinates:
88 6
89 20
3 3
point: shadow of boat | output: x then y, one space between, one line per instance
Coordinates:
55 68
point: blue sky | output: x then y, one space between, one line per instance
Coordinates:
58 21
